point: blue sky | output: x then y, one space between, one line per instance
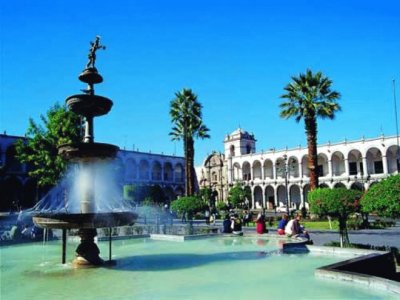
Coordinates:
237 56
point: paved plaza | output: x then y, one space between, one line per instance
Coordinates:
377 237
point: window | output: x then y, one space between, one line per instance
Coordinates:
232 150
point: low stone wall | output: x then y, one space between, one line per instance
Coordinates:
375 269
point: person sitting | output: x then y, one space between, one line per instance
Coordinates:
294 229
282 224
236 225
260 227
226 225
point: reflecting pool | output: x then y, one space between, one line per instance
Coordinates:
212 268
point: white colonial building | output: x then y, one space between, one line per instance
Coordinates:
18 189
350 164
140 168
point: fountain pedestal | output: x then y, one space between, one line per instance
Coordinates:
87 253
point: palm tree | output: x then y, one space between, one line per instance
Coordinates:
309 96
185 112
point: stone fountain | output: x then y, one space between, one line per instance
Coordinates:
86 154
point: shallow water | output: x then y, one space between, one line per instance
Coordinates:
215 268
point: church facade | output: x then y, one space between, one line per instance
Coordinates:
273 174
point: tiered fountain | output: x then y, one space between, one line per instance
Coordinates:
86 154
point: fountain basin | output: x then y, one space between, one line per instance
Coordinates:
89 105
80 152
87 220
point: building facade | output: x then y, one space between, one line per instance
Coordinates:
213 175
166 171
273 174
18 190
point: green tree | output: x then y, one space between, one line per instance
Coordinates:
206 194
336 203
238 195
186 115
309 96
188 204
383 198
40 148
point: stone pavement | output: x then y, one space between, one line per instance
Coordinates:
377 237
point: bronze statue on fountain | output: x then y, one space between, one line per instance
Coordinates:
86 153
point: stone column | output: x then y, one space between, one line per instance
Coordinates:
301 169
262 172
346 166
365 166
276 196
330 168
385 165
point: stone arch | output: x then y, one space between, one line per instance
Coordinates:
131 169
236 171
304 166
144 170
268 169
293 167
168 172
374 161
281 194
295 196
338 164
339 185
246 171
391 157
323 186
119 169
323 168
258 197
280 167
356 186
269 197
156 171
257 170
179 173
355 162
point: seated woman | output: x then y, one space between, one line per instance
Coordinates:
260 227
282 224
236 225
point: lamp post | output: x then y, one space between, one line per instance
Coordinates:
285 171
397 127
286 184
